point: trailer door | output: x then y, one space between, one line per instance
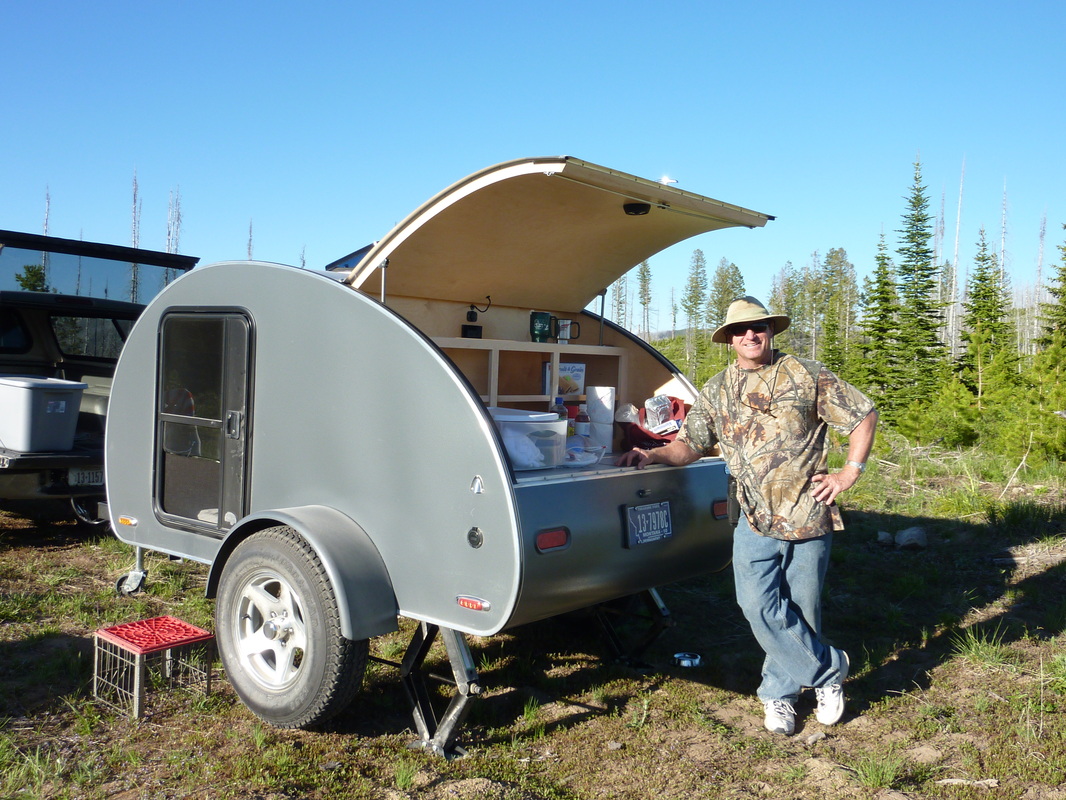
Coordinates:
202 418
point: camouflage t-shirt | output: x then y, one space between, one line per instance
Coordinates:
771 425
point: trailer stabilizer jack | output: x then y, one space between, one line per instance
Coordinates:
438 736
133 581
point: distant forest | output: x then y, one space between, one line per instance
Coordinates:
948 365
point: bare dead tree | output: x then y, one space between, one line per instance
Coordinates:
173 230
619 297
1040 296
673 313
938 232
954 334
47 212
135 238
135 241
174 221
1035 300
1003 234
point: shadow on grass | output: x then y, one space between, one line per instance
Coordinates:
36 672
901 610
896 611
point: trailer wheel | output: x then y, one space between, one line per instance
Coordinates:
278 632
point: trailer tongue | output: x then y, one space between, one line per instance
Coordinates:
326 442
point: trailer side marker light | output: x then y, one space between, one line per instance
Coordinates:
130 521
473 603
553 539
720 509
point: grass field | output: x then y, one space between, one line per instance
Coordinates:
958 686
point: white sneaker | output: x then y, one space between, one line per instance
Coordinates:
831 699
780 717
830 703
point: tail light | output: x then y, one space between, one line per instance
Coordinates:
473 603
552 539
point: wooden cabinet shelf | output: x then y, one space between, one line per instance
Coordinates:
506 372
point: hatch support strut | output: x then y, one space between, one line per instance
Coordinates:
438 736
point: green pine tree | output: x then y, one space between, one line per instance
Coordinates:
32 278
783 300
1053 317
727 285
923 351
952 416
878 370
1030 419
836 308
988 329
693 303
644 298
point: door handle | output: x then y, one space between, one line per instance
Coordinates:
233 424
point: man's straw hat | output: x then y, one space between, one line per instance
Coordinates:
748 309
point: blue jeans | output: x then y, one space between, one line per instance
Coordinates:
779 588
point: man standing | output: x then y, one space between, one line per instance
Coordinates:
769 413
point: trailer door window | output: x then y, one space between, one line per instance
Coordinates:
201 410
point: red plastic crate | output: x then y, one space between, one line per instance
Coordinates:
152 635
180 653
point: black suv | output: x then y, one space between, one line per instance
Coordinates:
66 307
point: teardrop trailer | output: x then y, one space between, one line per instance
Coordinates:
324 440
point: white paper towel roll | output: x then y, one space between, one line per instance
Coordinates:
600 401
602 434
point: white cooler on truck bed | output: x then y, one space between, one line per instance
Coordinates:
38 414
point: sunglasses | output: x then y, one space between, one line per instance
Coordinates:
755 327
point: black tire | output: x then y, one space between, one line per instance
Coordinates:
130 584
278 632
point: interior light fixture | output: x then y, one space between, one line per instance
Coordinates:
471 314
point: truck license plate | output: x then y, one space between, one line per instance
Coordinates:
648 523
81 476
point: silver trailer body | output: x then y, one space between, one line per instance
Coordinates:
344 411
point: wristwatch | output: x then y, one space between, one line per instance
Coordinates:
859 465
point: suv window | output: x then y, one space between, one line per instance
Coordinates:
13 335
95 337
82 275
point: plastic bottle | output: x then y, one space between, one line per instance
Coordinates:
582 423
559 408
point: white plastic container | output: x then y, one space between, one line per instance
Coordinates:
534 439
38 414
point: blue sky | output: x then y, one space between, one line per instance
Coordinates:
323 124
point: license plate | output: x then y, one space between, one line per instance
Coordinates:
82 476
648 523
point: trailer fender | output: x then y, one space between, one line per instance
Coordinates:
356 570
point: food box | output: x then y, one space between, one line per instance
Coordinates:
571 379
38 414
534 440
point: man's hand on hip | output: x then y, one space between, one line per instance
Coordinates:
825 488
